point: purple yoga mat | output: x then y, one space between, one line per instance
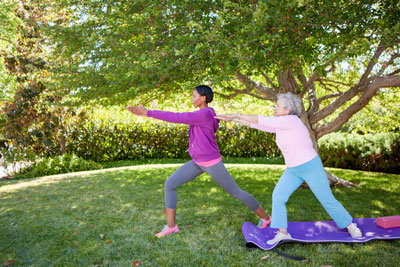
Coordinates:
317 232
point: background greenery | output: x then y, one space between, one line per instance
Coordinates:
108 141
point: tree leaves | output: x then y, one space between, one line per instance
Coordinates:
146 47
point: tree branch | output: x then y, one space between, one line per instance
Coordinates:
268 92
267 79
326 86
352 92
387 63
394 72
328 96
312 96
372 63
238 92
311 81
346 96
392 81
332 81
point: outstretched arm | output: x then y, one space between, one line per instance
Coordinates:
190 118
248 120
239 118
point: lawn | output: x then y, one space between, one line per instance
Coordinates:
59 221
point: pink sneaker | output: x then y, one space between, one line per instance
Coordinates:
166 231
263 223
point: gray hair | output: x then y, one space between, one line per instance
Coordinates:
292 102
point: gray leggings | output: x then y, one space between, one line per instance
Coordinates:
190 170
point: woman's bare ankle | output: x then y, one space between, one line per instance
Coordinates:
283 231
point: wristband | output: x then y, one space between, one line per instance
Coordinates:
239 116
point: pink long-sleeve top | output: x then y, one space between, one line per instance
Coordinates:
202 145
292 138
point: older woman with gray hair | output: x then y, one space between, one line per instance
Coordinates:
302 161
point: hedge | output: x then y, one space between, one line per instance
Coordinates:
379 152
107 140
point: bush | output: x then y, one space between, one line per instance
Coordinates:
107 140
379 152
56 165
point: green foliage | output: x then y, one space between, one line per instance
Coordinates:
380 115
7 84
237 141
9 23
56 165
120 50
379 152
108 140
36 120
34 117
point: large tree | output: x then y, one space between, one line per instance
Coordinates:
336 55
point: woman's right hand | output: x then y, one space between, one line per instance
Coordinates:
139 110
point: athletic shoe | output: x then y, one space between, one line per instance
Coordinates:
354 231
279 237
166 230
263 223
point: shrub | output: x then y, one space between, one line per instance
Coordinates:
379 152
107 140
58 164
239 141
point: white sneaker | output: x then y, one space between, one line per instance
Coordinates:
354 231
279 236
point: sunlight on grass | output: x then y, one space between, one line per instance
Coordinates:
58 220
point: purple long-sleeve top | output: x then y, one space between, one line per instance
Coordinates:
203 126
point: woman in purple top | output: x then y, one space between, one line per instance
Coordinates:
205 156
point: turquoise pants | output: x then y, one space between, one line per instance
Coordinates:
313 173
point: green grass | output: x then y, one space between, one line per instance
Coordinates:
57 222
